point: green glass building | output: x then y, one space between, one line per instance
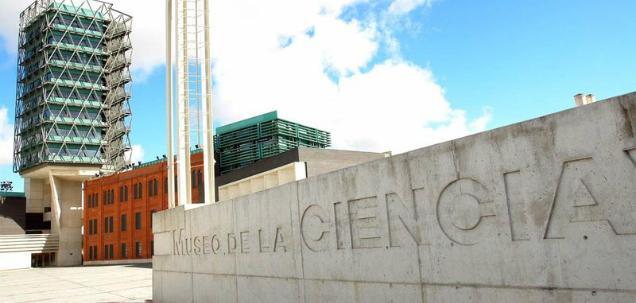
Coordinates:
244 142
73 86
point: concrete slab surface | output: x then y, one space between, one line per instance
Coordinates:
113 283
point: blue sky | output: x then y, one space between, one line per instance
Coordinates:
464 66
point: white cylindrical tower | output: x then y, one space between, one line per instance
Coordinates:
193 91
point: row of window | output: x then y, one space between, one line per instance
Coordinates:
109 225
152 187
73 39
109 251
78 22
109 195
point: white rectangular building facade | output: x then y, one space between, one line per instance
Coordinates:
540 211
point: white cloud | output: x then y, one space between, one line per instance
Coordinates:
136 153
300 58
6 137
390 105
400 7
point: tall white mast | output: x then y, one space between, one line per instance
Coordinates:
169 106
193 92
208 127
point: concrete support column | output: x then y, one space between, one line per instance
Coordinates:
66 219
34 190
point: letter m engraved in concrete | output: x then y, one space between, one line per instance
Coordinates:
365 228
581 195
177 242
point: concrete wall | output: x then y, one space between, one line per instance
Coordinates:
541 211
12 215
321 161
274 177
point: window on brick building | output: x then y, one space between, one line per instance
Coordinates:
109 196
93 200
137 221
92 253
123 193
92 226
153 187
108 224
123 251
138 190
109 251
123 222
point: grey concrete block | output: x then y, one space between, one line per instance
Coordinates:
539 211
214 288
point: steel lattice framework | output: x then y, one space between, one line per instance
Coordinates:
74 83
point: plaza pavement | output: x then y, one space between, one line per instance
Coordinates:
114 283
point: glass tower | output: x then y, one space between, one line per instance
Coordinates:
73 85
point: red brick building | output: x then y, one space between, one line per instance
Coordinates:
118 209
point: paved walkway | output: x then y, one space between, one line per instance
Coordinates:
115 283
